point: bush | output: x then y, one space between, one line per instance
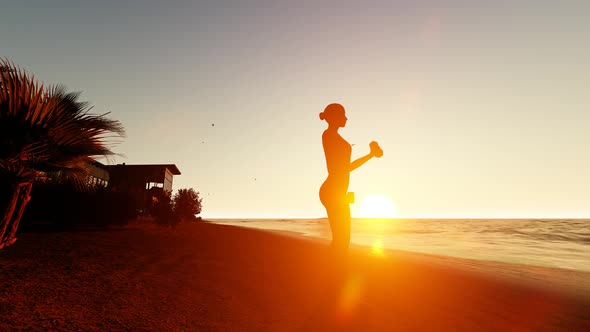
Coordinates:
187 204
164 212
62 206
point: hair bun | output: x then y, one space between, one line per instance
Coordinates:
322 116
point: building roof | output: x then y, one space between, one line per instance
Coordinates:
144 167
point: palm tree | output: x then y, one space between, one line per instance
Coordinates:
43 130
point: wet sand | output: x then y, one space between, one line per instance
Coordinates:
206 277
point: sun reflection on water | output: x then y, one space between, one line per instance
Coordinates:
377 248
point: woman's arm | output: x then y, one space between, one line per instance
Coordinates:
359 162
338 160
375 152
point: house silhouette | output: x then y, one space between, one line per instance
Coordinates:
147 182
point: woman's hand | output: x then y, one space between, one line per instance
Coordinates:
375 149
375 152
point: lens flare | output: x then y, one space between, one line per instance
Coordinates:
350 296
377 248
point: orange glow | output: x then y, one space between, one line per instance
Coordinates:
377 206
377 248
350 296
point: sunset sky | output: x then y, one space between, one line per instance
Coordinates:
481 107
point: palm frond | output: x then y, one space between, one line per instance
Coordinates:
48 129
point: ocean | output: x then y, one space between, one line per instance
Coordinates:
557 243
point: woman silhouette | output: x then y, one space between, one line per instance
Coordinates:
333 192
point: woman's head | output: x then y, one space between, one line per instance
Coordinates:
334 114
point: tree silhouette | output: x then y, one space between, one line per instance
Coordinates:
187 204
43 130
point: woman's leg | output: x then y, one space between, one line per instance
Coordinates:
338 211
339 217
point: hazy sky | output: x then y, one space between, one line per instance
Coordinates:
482 107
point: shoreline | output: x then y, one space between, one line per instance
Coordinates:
568 280
471 244
205 276
509 270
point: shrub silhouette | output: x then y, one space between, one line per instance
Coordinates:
164 212
62 206
187 204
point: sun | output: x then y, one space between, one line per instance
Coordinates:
376 206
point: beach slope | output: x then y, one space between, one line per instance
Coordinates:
206 277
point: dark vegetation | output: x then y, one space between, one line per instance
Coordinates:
43 129
61 206
187 204
55 206
47 133
183 207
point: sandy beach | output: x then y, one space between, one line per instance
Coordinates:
206 277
